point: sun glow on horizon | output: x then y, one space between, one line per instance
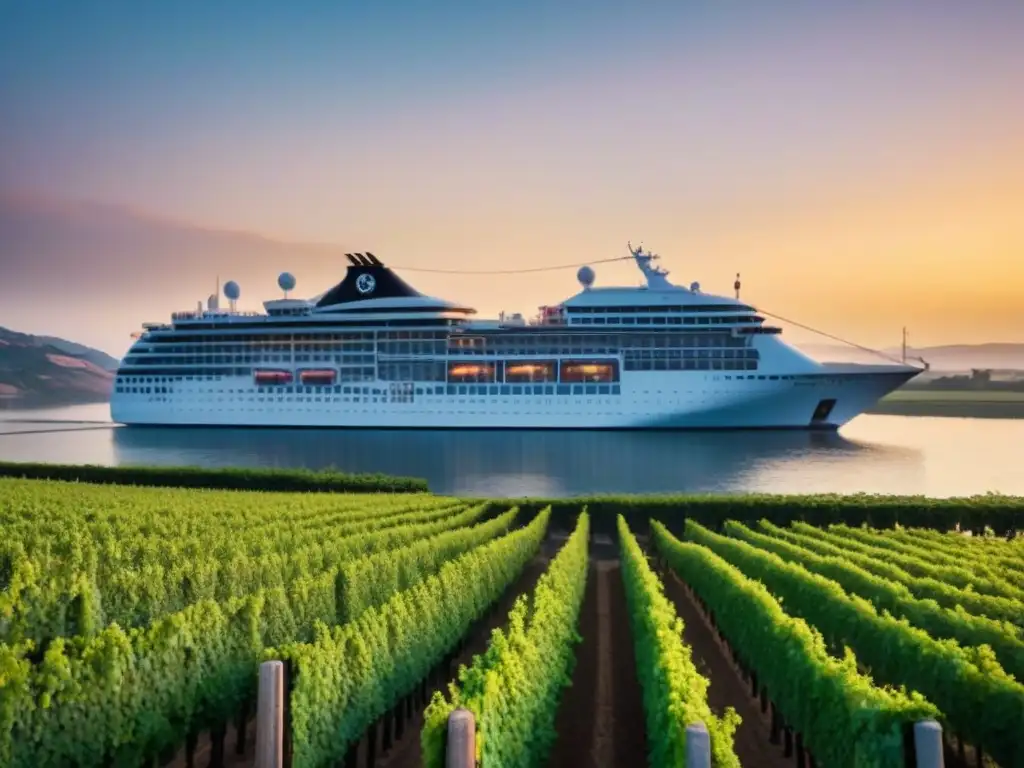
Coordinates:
862 166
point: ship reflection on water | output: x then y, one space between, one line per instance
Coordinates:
530 463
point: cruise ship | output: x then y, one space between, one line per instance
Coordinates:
374 352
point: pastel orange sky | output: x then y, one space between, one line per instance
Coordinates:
863 168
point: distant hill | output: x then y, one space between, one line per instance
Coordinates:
94 272
40 371
94 356
952 358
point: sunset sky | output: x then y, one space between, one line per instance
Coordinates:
862 167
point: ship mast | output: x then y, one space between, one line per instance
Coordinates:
656 276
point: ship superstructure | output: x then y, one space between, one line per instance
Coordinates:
374 352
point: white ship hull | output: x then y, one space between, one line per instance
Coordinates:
646 400
372 352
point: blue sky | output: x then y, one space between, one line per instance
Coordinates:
882 138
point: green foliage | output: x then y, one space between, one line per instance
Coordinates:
233 478
132 616
988 566
1002 514
953 573
1006 553
513 689
925 588
675 693
960 542
977 698
844 719
73 563
122 696
895 598
370 581
350 675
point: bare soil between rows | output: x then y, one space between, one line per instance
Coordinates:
728 687
600 720
406 753
752 742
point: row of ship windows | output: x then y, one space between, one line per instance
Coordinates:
404 350
262 323
548 371
245 357
134 382
689 365
610 341
404 392
498 371
665 308
615 320
593 406
528 343
344 374
407 394
270 337
243 347
692 354
734 352
542 371
363 359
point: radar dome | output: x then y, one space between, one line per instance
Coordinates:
585 276
231 290
695 287
286 281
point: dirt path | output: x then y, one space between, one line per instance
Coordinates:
727 688
204 749
600 721
405 753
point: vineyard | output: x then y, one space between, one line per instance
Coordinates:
308 625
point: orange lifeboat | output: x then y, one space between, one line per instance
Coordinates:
273 378
319 378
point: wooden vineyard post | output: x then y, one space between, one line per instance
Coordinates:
698 746
460 751
270 716
928 744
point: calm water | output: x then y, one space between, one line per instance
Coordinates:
873 454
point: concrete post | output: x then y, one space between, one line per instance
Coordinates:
270 716
461 748
698 746
928 744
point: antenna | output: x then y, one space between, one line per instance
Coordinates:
736 285
904 345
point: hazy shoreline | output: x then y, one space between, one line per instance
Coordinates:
968 404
